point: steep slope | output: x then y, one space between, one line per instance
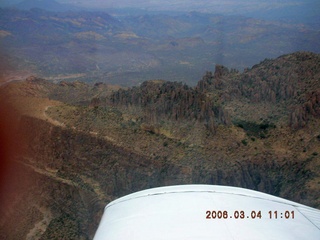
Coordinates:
298 88
285 90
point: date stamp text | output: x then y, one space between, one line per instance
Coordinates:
218 214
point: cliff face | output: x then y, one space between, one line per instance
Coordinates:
171 101
73 157
292 80
310 107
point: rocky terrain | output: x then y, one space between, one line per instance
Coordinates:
73 147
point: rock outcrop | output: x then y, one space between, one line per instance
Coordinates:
171 101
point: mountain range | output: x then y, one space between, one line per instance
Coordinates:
72 147
129 49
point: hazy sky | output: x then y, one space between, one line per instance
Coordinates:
175 3
211 6
225 6
183 4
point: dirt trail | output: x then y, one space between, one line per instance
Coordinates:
41 226
50 119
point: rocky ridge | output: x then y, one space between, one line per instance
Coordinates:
288 80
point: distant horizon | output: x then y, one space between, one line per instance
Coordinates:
292 11
226 6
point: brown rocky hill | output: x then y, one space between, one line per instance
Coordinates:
289 84
159 100
288 87
79 146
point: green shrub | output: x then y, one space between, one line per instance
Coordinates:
244 142
255 129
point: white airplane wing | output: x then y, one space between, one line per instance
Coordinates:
207 212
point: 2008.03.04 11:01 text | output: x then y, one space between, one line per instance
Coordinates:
248 215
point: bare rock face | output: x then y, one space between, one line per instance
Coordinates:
172 101
280 79
298 118
290 81
313 103
310 108
220 71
